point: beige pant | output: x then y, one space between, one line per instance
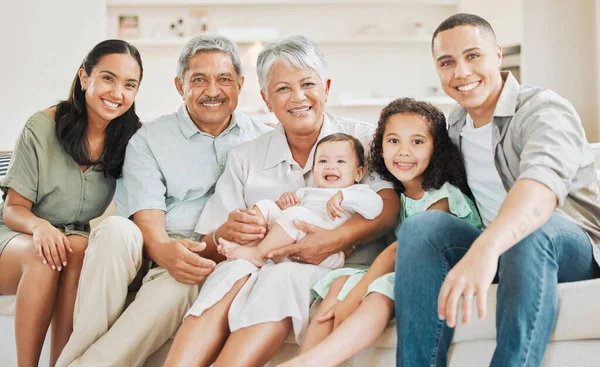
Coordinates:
104 334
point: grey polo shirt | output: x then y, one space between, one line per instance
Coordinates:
172 166
537 134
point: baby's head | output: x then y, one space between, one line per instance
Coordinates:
339 161
411 146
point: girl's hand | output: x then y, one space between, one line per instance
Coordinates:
340 311
334 207
344 309
286 200
51 245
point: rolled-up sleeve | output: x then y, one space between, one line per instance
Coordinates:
228 196
23 172
553 143
143 184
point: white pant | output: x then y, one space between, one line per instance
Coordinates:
104 334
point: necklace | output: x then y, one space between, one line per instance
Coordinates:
95 146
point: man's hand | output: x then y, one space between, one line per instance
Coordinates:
181 259
286 200
468 280
243 226
315 247
334 206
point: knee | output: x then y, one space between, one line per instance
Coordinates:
176 295
34 266
420 224
115 235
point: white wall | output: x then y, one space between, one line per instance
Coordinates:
506 17
561 52
367 69
43 43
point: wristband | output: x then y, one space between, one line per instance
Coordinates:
215 237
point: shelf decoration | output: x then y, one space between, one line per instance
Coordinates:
129 26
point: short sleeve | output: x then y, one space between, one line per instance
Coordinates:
459 204
143 184
554 143
228 196
23 171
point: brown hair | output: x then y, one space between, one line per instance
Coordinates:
355 144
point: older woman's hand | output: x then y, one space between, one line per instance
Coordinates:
315 247
243 226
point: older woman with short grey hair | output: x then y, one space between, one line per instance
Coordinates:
244 313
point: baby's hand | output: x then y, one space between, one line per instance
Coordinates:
334 207
286 200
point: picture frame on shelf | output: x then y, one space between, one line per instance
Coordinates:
129 26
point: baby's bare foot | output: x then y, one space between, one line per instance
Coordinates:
250 254
226 246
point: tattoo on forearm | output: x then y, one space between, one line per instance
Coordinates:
525 224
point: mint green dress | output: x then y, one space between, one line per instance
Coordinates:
459 204
46 175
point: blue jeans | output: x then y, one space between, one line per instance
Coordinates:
432 242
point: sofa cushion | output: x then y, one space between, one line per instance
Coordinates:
4 161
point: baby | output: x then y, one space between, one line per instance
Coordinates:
337 167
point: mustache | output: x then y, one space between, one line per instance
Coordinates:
213 100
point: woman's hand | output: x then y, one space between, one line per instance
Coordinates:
334 206
315 247
470 280
51 245
286 200
243 226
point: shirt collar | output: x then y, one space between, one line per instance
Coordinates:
279 149
189 129
505 106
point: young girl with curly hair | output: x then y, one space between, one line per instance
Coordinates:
411 148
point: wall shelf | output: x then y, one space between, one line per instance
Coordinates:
383 101
200 3
177 42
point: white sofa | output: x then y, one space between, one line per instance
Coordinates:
575 341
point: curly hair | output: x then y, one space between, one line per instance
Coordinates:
446 164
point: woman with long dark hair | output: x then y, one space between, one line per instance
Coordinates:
62 175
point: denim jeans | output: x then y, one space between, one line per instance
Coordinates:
432 242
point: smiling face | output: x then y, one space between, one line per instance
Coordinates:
468 61
407 148
297 97
210 88
111 87
336 165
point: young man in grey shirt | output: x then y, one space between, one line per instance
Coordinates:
533 178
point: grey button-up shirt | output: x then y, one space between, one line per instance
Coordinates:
172 166
537 134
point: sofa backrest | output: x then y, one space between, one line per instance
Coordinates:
596 150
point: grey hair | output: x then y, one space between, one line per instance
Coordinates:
208 43
296 51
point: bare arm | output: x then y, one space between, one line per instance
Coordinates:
358 230
528 205
18 215
50 243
